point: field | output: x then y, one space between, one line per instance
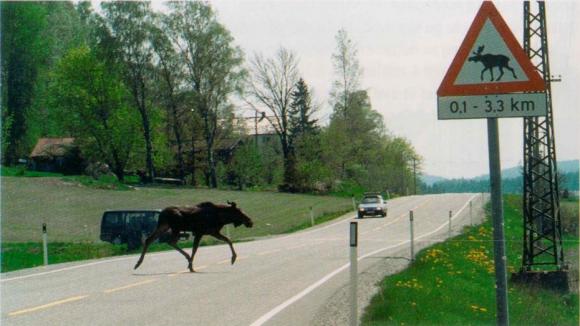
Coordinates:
452 283
73 213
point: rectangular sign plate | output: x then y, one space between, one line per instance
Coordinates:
491 106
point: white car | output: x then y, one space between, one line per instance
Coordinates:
372 204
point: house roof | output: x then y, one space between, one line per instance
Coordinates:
51 147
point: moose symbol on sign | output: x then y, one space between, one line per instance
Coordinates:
490 61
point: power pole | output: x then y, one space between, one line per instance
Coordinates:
543 253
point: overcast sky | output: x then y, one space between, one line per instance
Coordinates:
404 49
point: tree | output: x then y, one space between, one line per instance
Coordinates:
301 111
348 72
91 101
271 85
130 26
23 53
169 77
213 67
246 166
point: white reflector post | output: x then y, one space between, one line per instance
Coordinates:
353 273
44 244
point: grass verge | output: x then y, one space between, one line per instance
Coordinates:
16 256
452 283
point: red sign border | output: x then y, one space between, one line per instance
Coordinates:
535 82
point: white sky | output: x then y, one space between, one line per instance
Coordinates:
404 49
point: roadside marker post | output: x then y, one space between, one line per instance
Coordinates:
353 204
44 244
450 215
470 213
311 216
353 273
412 236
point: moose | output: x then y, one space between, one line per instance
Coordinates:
490 61
203 219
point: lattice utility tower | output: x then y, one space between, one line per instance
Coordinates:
542 227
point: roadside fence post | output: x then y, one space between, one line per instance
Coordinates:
450 214
412 236
311 216
353 203
44 244
353 273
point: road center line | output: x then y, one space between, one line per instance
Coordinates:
267 316
46 306
130 286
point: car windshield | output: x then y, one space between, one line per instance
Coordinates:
370 200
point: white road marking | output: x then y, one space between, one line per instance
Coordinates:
267 316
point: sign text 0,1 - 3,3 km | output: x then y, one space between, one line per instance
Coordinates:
490 76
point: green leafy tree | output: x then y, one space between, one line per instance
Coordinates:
169 77
130 24
213 67
246 166
92 103
23 53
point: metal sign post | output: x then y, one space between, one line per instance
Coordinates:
499 256
353 273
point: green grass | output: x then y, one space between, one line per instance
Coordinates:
16 256
21 171
73 213
452 283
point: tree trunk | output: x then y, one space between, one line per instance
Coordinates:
193 180
148 145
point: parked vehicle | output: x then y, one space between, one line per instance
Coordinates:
130 226
372 204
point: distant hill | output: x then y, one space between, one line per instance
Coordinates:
571 166
431 179
512 181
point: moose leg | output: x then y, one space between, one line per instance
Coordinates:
513 72
484 69
158 232
196 241
500 73
222 237
173 243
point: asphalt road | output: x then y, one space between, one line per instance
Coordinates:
283 280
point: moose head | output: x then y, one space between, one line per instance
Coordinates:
477 55
237 216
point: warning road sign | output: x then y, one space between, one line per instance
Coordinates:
490 61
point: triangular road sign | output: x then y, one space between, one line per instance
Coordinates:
490 61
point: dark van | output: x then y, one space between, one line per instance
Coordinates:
128 226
